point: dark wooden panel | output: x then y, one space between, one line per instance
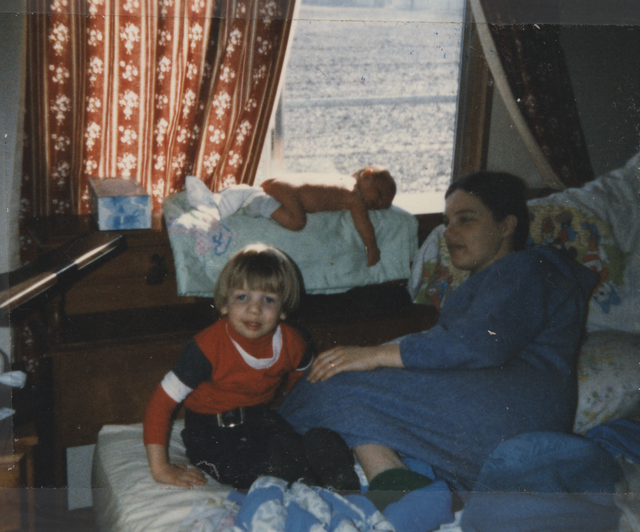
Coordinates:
426 224
366 331
107 384
121 294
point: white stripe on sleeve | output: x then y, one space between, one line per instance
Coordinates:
174 387
307 366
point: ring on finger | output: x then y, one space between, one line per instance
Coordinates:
332 364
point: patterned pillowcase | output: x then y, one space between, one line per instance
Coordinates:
583 236
587 239
439 276
608 379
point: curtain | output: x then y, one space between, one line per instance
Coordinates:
537 74
150 90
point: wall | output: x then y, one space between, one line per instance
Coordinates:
602 62
12 26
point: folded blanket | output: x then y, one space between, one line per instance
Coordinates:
271 505
275 506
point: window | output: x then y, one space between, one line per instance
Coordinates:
373 82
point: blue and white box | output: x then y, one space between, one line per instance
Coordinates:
119 203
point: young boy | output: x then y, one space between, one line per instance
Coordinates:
228 373
289 202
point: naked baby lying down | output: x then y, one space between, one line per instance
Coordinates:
288 202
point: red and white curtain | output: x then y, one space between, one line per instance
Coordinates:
151 90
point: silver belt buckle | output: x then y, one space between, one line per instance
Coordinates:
222 423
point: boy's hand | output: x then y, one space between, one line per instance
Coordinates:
165 472
373 256
178 475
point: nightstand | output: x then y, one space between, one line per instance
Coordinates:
17 482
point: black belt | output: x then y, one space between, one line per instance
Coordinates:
231 418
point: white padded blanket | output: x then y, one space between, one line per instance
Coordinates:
328 251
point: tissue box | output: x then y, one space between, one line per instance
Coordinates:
119 203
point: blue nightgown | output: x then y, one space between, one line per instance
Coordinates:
500 361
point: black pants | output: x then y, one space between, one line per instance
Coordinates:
234 455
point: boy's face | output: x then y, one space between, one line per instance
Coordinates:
253 313
374 192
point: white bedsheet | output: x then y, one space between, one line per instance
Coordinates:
125 496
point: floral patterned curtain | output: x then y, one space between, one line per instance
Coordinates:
536 70
151 90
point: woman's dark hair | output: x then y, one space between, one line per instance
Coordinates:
502 194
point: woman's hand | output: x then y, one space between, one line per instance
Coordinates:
340 359
165 472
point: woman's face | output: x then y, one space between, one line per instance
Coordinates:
473 236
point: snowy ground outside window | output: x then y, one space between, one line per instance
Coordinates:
374 85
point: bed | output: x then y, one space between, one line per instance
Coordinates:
126 498
599 224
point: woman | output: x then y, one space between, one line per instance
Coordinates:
500 361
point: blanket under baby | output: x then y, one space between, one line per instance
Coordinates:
328 251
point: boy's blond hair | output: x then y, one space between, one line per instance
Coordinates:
260 267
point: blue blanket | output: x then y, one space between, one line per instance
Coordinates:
545 481
272 505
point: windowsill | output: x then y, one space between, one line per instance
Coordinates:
420 202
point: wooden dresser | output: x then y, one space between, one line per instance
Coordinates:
123 325
17 478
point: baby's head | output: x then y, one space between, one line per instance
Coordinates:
376 186
257 288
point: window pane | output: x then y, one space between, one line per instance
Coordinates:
369 85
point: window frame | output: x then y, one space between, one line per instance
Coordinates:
473 112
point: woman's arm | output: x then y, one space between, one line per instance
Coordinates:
497 315
340 359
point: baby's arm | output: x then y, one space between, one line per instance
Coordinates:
291 214
367 232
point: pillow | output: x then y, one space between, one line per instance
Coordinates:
433 277
579 233
608 379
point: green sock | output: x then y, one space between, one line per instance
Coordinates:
398 479
393 484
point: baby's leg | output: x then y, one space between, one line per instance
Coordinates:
289 219
291 214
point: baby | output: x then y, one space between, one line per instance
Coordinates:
370 188
288 202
